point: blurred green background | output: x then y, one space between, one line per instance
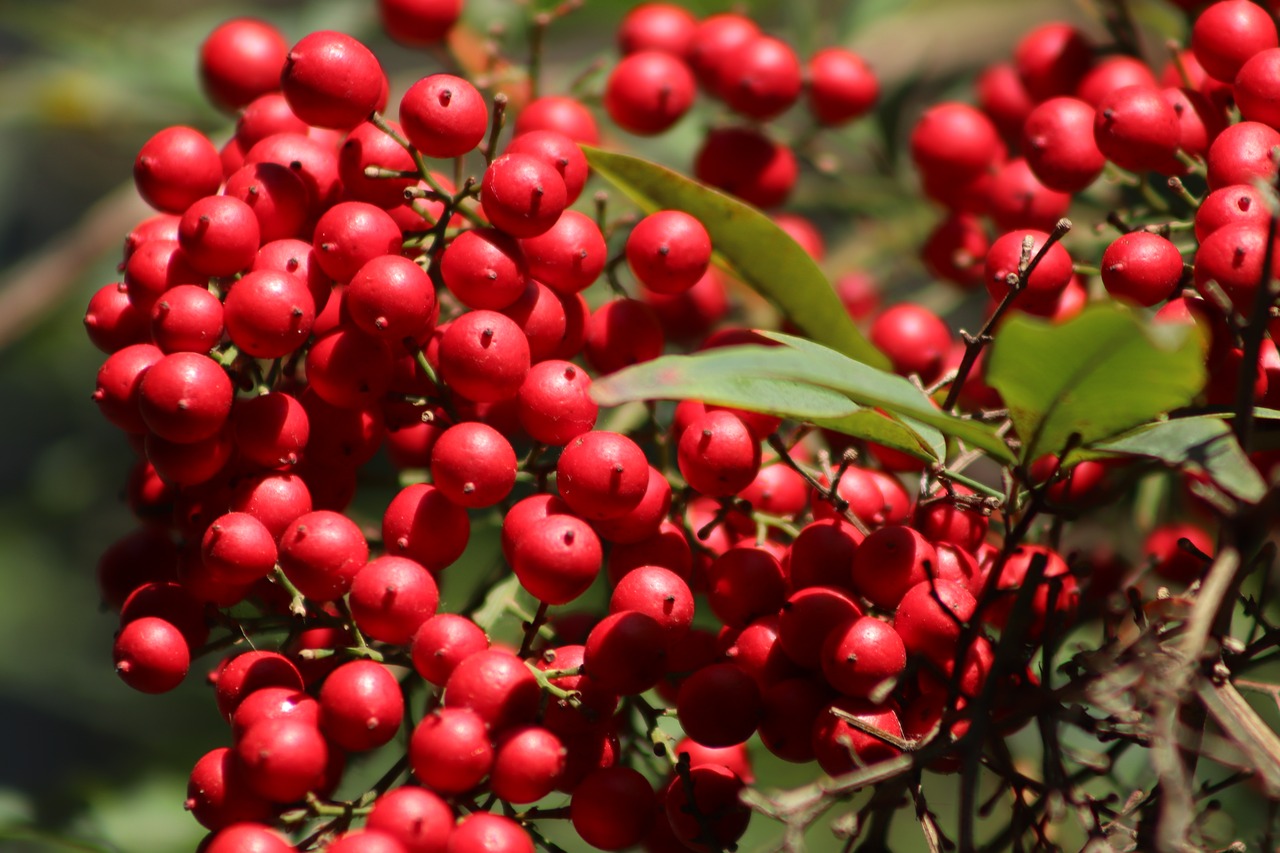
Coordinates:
85 763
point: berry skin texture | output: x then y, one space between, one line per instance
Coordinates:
602 475
1137 129
764 80
283 758
1257 88
613 807
391 597
361 706
554 403
219 235
570 256
1052 59
113 323
561 114
423 525
321 553
175 168
240 60
620 333
626 653
484 356
238 547
657 26
746 163
490 833
271 429
417 818
443 116
1228 33
558 560
558 151
391 297
217 795
669 251
659 593
527 763
1167 557
151 655
450 750
859 656
1046 281
473 465
718 455
930 628
269 314
1242 154
185 397
1141 267
497 686
351 234
485 269
834 739
248 838
841 86
348 369
954 140
1059 145
522 195
367 145
712 790
915 339
889 562
714 41
719 705
1228 205
249 672
332 80
442 642
187 318
745 584
809 617
648 92
277 196
418 23
364 841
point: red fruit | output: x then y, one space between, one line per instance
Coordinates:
156 267
246 673
391 597
417 818
889 562
1228 33
861 656
473 465
620 333
1229 205
422 524
822 555
297 258
558 560
218 796
712 791
270 703
348 369
444 116
714 42
836 743
113 322
238 547
184 397
719 705
351 234
186 318
718 455
559 113
930 618
555 404
649 91
314 161
570 256
482 831
265 115
626 653
667 548
522 195
657 26
808 617
364 841
612 808
953 251
484 268
450 750
417 23
175 168
1168 558
744 584
1004 99
1242 154
1200 121
659 593
955 141
240 60
442 642
484 356
248 838
219 235
669 251
746 163
367 145
151 655
602 475
283 758
527 763
274 499
789 710
763 78
914 338
1059 144
1141 267
1052 59
1046 281
391 297
558 151
1233 257
1058 587
525 516
271 429
332 80
841 86
269 314
497 686
321 553
1112 73
1017 199
1137 129
360 705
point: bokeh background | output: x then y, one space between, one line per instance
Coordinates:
85 763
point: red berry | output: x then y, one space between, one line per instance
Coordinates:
745 584
626 653
351 234
570 256
1112 73
1052 59
491 833
1228 33
416 23
836 743
348 369
1242 154
443 116
1046 281
240 60
442 642
218 796
557 150
422 524
151 655
497 686
450 750
714 42
718 455
841 86
527 762
746 163
646 519
1228 205
185 397
248 838
955 140
555 404
485 268
669 251
862 657
719 705
1017 199
360 705
612 808
176 167
889 562
473 465
561 114
269 314
1137 129
390 597
602 475
808 617
368 145
1060 146
1004 99
417 818
1141 267
271 429
931 616
659 593
321 553
558 560
649 91
484 356
657 26
763 78
620 333
332 80
246 673
187 318
712 791
522 195
915 339
391 297
283 758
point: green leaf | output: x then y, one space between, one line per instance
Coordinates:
1096 375
921 441
749 245
1204 443
804 376
879 389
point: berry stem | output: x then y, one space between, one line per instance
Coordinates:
531 629
572 697
297 601
495 126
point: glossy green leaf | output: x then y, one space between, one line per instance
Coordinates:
870 425
1096 375
881 390
749 245
1203 444
804 376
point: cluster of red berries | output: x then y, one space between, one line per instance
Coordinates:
315 293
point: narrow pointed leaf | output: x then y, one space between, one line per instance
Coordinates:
749 245
1097 375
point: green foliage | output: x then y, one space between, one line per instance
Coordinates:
748 245
1094 376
